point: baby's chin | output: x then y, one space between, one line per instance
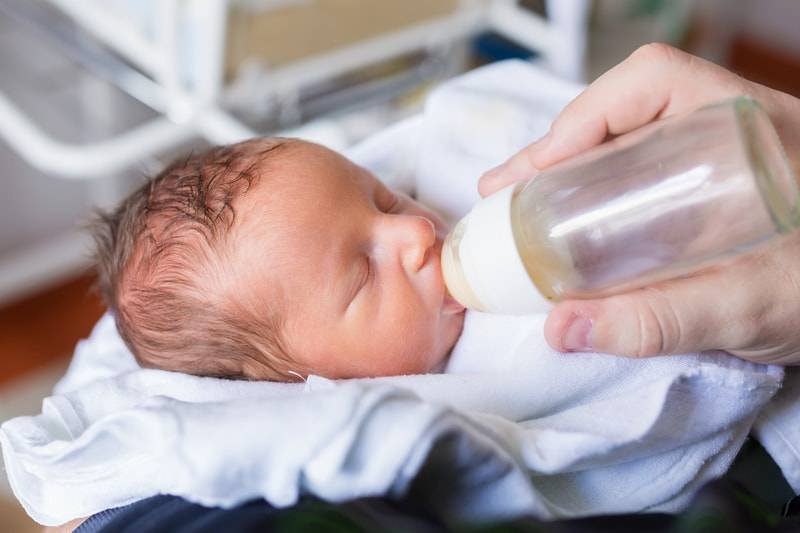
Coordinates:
455 327
425 364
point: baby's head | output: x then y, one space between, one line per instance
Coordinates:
272 258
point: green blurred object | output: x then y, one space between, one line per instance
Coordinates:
618 27
647 7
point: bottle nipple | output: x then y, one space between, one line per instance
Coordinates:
481 264
453 273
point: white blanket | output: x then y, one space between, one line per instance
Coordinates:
512 428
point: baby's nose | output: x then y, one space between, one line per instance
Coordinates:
414 236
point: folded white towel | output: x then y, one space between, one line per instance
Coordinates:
778 428
559 435
513 427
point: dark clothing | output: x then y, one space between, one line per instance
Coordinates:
748 499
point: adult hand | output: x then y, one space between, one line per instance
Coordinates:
751 306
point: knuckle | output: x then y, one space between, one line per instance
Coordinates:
650 337
656 53
527 159
659 329
667 320
633 328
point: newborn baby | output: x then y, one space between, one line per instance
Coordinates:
275 258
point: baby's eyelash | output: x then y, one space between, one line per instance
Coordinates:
368 271
395 200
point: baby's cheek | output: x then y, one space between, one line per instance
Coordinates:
402 349
413 359
424 345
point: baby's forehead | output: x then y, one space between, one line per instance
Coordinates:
304 187
288 223
313 173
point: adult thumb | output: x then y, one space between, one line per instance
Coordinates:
679 316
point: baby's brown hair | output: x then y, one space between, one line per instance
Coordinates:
160 256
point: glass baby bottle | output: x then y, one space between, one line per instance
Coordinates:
663 201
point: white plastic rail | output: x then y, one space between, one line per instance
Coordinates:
193 108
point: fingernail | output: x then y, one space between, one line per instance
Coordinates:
576 339
494 172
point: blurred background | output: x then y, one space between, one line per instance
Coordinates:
96 95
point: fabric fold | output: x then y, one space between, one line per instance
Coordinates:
635 443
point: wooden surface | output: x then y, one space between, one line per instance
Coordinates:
44 327
766 65
14 520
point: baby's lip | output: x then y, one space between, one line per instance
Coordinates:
450 305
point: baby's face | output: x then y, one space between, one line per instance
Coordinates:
355 265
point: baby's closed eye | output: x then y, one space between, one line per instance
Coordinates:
389 202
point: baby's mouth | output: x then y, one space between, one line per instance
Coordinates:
450 305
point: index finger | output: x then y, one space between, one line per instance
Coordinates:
655 81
